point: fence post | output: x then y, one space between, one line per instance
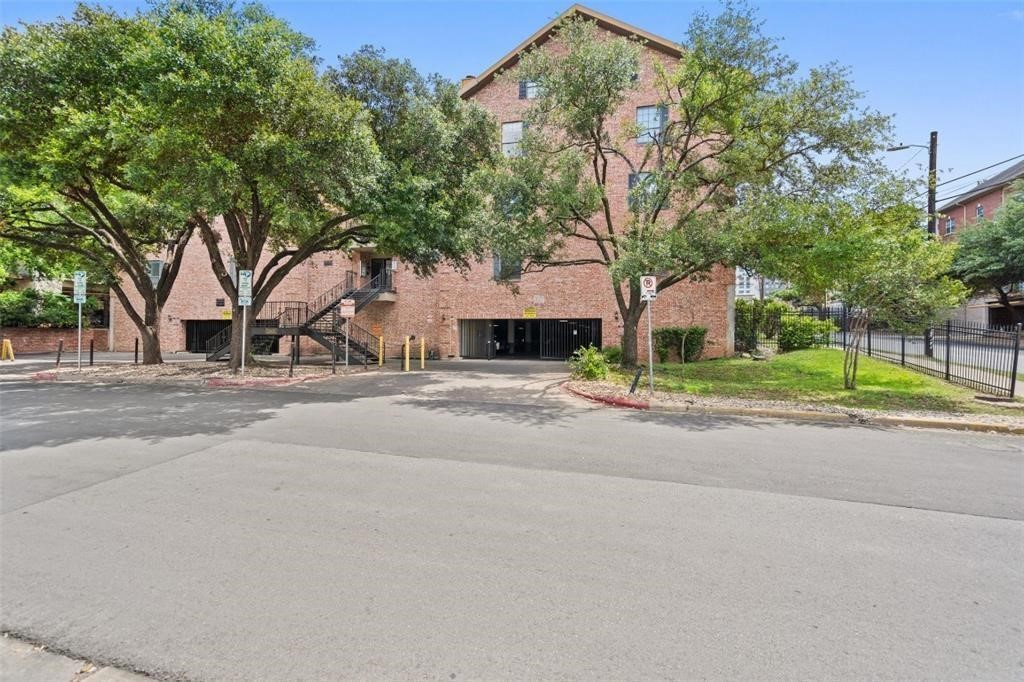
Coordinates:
136 350
91 344
949 326
60 351
1016 355
869 338
903 349
844 325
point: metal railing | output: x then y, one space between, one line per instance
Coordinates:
984 358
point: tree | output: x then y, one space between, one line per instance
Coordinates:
75 174
737 117
866 249
298 163
991 254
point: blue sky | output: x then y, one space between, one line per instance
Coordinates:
955 67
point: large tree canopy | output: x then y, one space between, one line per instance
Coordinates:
77 166
739 116
991 255
297 162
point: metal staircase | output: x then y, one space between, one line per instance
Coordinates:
317 319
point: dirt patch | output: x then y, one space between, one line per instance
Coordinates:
213 374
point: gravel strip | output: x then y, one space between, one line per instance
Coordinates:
609 389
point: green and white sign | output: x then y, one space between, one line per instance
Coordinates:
244 287
79 286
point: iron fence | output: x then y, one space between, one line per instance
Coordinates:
984 358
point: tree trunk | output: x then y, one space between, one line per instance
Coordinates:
235 360
851 354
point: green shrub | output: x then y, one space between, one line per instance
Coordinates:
668 339
18 307
613 354
753 317
31 308
588 363
799 331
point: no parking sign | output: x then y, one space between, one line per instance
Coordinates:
648 288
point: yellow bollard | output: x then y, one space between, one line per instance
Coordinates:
7 351
380 350
405 365
423 352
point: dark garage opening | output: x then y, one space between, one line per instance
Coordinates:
198 332
524 338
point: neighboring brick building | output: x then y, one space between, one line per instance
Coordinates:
964 211
471 314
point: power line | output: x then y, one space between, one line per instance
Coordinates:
967 175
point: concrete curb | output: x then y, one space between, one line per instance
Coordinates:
800 415
209 382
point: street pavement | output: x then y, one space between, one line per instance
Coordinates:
475 522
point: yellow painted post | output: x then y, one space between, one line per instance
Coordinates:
405 365
423 352
7 352
380 350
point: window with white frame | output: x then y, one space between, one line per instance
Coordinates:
650 121
979 212
511 136
950 225
642 186
156 268
746 284
529 90
507 269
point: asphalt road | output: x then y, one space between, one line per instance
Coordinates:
480 524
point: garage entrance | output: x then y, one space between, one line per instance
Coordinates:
519 338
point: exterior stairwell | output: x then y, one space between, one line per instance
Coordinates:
317 319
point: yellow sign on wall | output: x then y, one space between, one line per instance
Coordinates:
530 313
225 314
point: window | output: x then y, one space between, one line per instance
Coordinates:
511 136
529 90
980 211
505 269
950 225
156 268
328 263
745 284
641 186
651 121
219 302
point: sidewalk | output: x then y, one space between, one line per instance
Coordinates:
26 662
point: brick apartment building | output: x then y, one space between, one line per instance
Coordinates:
961 213
472 315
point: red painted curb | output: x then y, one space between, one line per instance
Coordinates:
227 382
44 376
609 400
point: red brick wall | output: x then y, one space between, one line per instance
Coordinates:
965 215
45 339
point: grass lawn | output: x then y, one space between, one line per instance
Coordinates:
810 376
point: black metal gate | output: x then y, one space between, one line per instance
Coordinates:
559 339
198 332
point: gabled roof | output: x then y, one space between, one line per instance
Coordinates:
604 21
998 180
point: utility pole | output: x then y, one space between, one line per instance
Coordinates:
933 148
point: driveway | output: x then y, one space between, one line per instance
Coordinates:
475 522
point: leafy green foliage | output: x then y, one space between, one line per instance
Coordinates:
797 332
740 118
669 340
589 363
32 308
613 354
991 254
756 315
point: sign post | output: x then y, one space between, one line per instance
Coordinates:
79 299
347 308
649 292
244 300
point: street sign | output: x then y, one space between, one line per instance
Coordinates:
648 288
245 301
79 286
347 307
244 286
